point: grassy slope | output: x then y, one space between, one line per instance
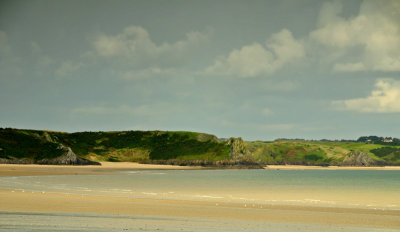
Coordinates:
316 152
144 145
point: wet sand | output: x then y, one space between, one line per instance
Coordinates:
174 213
22 201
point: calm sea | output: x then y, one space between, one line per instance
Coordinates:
334 188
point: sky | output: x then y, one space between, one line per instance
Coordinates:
259 70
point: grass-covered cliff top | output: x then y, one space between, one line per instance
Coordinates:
113 146
181 146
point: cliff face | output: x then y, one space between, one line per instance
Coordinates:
358 158
238 150
69 158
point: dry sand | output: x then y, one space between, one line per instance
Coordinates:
112 167
105 168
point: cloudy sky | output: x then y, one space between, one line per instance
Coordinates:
255 69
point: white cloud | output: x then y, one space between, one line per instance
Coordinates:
152 71
385 98
375 31
68 67
256 59
134 46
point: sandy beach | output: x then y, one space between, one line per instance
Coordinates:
176 213
112 167
18 201
105 168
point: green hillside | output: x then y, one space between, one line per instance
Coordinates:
321 153
144 145
139 146
187 148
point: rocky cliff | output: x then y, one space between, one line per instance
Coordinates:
358 158
238 150
68 158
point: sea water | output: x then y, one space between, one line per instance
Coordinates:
378 189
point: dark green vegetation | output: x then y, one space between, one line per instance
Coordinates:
190 148
391 154
144 145
25 145
140 146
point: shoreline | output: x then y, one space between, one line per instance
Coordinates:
304 167
113 167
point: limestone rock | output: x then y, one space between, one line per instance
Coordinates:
48 138
358 158
238 149
13 160
69 158
207 138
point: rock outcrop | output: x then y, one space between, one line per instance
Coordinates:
69 158
238 149
202 137
358 158
13 160
224 164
